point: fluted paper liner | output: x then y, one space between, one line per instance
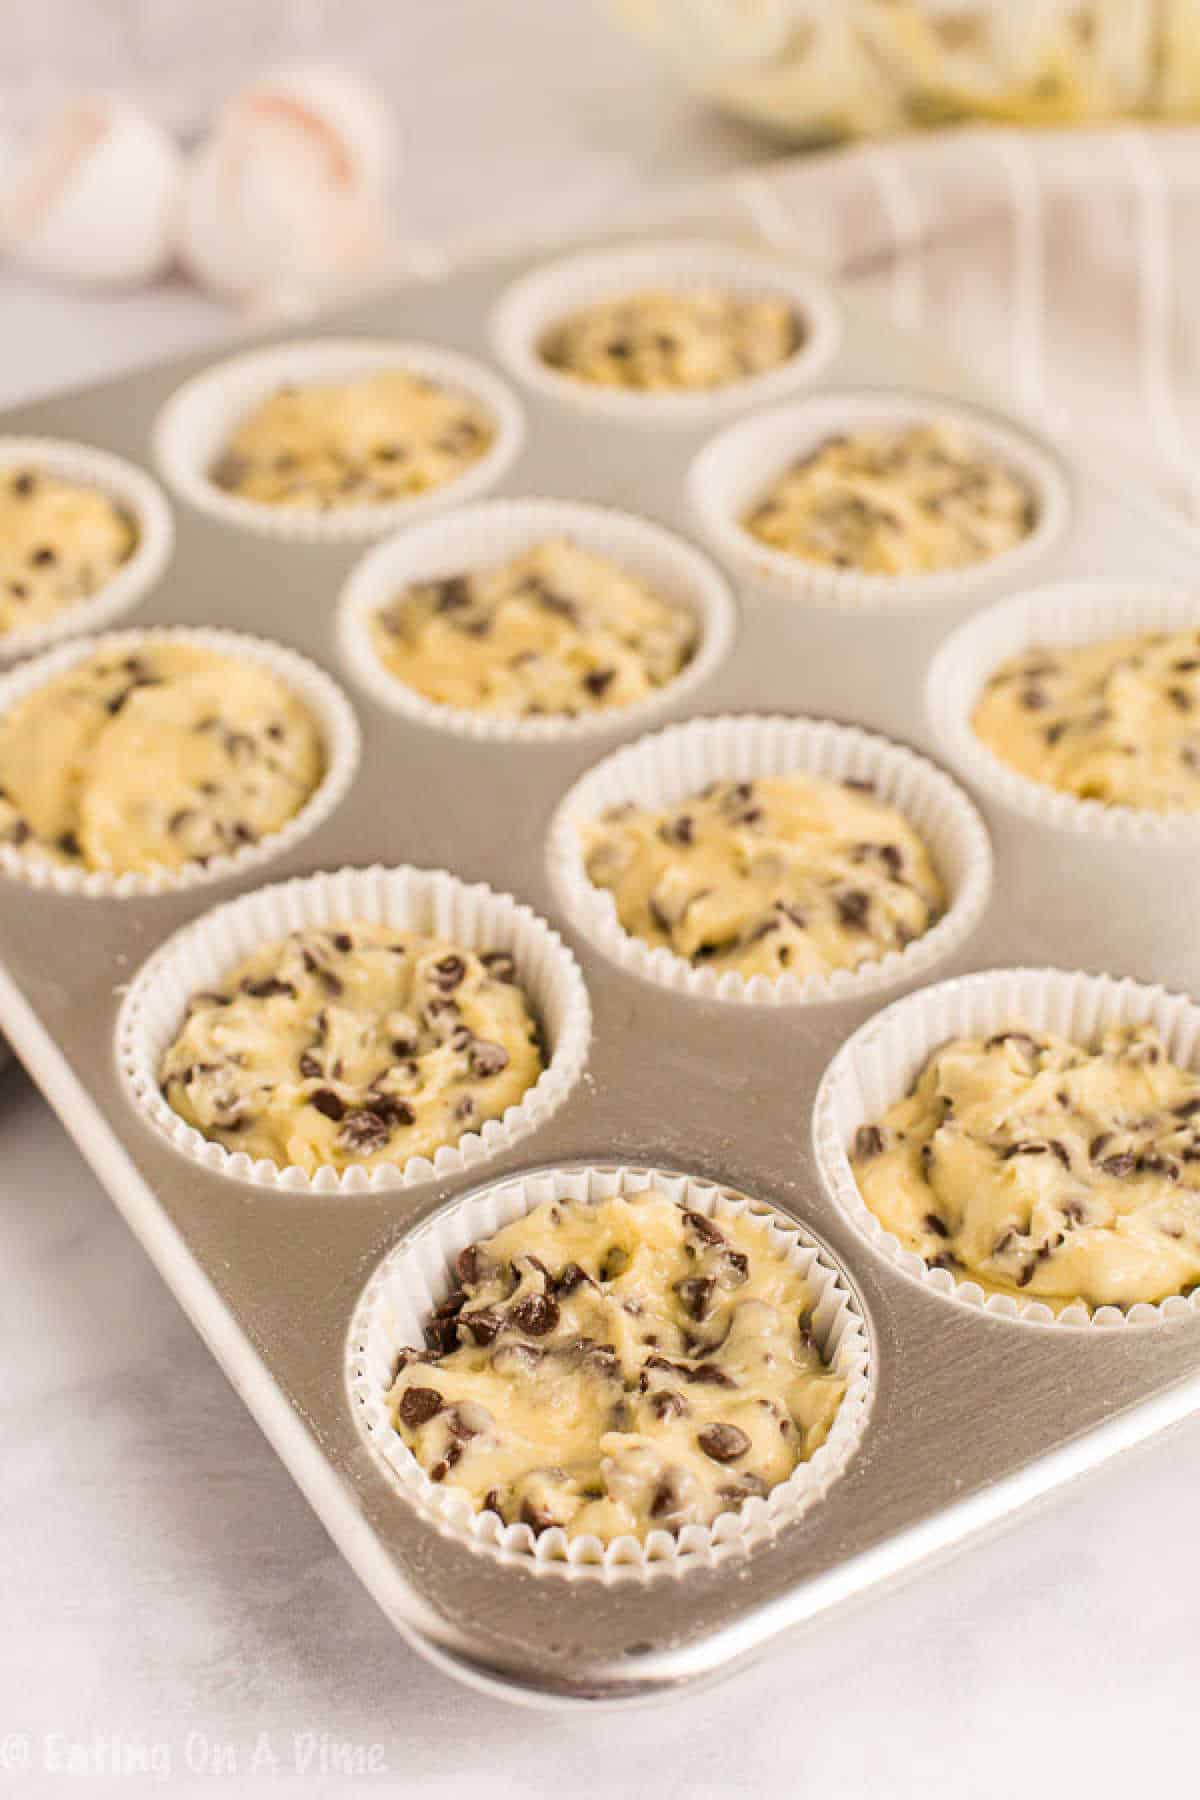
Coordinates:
673 765
329 707
137 495
423 900
492 532
878 1065
1062 614
540 300
418 1273
198 421
737 468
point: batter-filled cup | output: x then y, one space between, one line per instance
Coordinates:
137 498
539 303
675 765
417 1275
429 902
878 1066
194 429
332 716
735 473
1062 616
494 532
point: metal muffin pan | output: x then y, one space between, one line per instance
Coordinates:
971 1417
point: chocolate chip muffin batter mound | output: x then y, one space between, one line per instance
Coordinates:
907 501
618 1367
60 543
1040 1168
135 760
788 874
555 630
1117 722
381 438
359 1044
659 341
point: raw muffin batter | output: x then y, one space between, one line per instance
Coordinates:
616 1368
908 501
786 874
380 438
162 756
555 630
1117 721
692 338
1033 1166
356 1044
59 543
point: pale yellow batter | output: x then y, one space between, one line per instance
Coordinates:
617 1368
908 501
60 542
788 874
1117 721
356 1044
384 437
692 338
1036 1167
555 630
154 758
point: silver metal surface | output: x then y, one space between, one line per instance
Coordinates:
971 1417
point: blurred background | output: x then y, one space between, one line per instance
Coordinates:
1018 176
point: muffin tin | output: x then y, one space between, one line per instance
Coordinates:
968 1415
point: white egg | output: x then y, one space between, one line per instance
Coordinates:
286 200
93 198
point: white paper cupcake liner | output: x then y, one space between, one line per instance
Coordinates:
538 301
197 422
737 468
136 494
417 1274
197 958
674 764
1065 613
328 705
493 531
878 1065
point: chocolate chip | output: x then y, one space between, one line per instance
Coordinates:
853 908
724 1443
24 484
483 1324
69 843
1123 1164
937 1226
449 972
44 557
328 1103
598 681
486 1059
536 1314
310 1066
364 1130
419 1404
1180 699
696 1294
268 987
391 1111
570 1277
343 941
665 1403
703 1228
680 830
868 1142
536 1517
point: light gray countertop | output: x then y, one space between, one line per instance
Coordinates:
171 1601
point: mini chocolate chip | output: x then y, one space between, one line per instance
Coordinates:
536 1517
44 557
1123 1164
483 1324
724 1443
937 1226
696 1293
868 1141
570 1277
343 941
536 1314
598 681
449 972
853 908
500 965
391 1111
665 1403
69 843
419 1404
328 1103
704 1228
310 1067
366 1130
24 484
268 987
680 830
486 1059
